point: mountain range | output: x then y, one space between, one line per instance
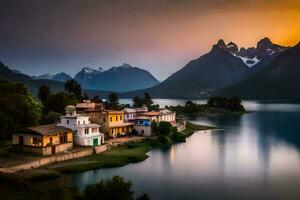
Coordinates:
225 65
267 71
33 85
279 80
118 79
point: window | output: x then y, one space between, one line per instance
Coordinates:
63 138
50 140
94 130
86 131
110 119
103 119
121 118
83 121
78 122
36 141
116 118
67 121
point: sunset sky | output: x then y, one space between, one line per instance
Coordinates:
161 36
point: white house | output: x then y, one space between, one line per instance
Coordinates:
86 133
130 114
143 126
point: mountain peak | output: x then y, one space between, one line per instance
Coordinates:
221 43
264 43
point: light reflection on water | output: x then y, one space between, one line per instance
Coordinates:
254 156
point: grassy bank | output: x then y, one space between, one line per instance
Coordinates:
28 184
119 156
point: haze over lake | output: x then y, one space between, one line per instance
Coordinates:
254 156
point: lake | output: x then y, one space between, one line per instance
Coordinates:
253 156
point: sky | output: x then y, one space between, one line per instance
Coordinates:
161 36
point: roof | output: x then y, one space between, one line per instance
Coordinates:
114 112
151 113
49 129
89 125
129 110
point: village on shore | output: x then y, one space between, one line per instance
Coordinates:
89 124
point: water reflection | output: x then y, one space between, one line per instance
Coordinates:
253 156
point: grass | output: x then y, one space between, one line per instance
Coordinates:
191 128
29 184
130 153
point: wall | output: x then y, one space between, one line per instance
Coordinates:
52 159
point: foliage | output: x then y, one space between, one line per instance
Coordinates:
110 189
44 92
85 96
18 109
178 137
97 99
50 118
165 139
144 197
113 102
58 102
147 101
233 103
72 87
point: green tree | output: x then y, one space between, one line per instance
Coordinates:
137 102
113 101
111 189
148 101
50 118
72 87
58 102
97 99
18 109
44 92
86 96
144 197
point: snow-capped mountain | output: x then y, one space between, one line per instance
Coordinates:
118 78
253 55
44 76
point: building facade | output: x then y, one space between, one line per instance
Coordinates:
113 124
43 140
143 126
86 133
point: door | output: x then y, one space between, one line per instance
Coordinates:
53 150
21 140
95 142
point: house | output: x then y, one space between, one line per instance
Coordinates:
143 123
131 113
44 140
143 126
162 115
86 106
113 124
86 133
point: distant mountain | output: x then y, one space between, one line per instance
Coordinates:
119 79
44 76
279 80
223 66
61 77
34 84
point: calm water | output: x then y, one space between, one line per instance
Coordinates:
254 156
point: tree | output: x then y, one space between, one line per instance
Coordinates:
72 87
111 189
18 109
148 101
97 99
137 102
113 101
44 92
86 96
144 197
50 118
58 102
